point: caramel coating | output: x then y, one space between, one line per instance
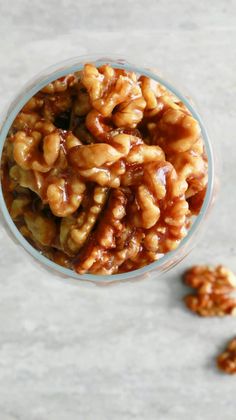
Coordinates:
102 171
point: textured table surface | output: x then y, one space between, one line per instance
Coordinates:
68 352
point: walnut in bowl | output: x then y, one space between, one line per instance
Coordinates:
106 171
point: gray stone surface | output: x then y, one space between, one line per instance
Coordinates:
68 352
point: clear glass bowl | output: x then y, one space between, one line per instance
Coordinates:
170 259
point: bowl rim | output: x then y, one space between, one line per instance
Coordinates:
70 66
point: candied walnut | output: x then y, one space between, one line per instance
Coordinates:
64 195
142 258
173 226
190 164
144 210
108 87
160 181
28 179
19 206
213 287
105 164
25 120
49 106
61 84
176 131
102 162
206 279
165 100
151 240
143 153
42 228
45 127
54 100
133 175
98 125
34 104
169 192
112 260
111 222
49 162
150 91
226 361
211 305
191 168
113 93
93 155
105 236
96 82
106 177
56 104
123 142
75 230
129 113
27 153
65 226
70 141
100 154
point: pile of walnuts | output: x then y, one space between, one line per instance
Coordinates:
103 169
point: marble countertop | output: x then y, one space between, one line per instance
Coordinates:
68 352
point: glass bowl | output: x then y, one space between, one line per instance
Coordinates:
170 259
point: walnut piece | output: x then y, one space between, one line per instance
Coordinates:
213 288
226 361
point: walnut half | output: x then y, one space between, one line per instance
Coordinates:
226 361
213 288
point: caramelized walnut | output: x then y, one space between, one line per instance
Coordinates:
213 287
226 361
32 180
61 84
64 195
26 148
19 205
129 113
25 121
104 238
75 230
108 87
150 91
176 131
42 228
98 125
